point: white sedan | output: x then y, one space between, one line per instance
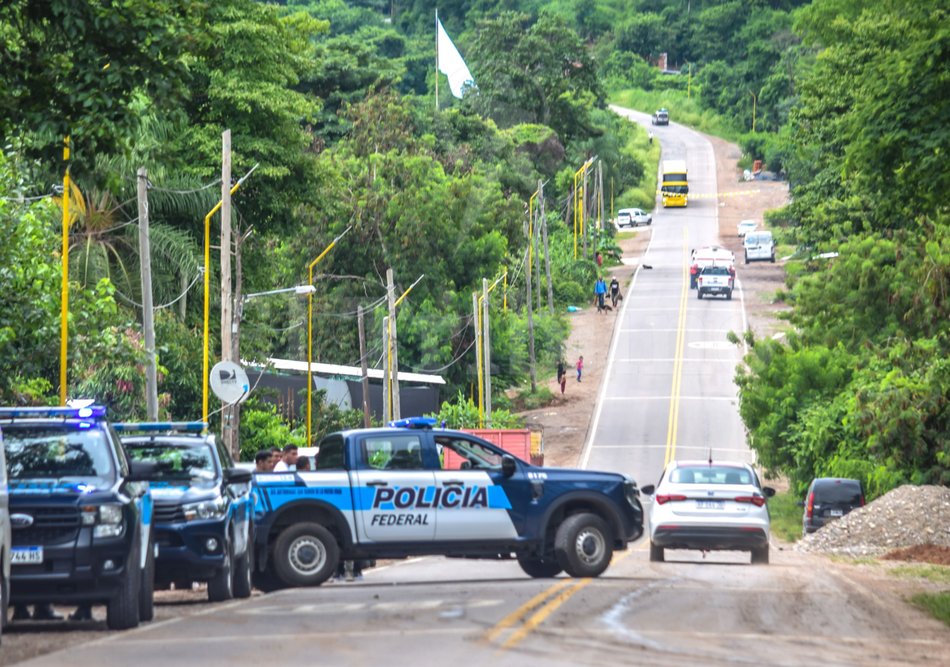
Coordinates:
709 506
634 217
746 226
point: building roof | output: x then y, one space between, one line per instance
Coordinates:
349 371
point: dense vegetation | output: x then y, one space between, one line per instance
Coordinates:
335 101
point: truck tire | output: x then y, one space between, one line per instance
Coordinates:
243 567
656 554
305 554
760 556
583 545
147 586
221 585
539 568
699 294
729 295
122 611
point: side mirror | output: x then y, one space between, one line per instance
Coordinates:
768 491
142 471
465 465
508 465
648 489
237 476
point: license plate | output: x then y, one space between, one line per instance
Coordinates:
835 513
26 555
709 504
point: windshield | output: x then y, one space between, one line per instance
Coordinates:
711 475
176 462
676 189
63 452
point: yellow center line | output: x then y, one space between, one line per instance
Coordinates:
527 626
518 614
673 419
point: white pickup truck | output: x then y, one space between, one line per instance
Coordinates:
715 280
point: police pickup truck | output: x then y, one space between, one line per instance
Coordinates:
391 493
81 514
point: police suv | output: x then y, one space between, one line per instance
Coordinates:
413 489
81 513
202 507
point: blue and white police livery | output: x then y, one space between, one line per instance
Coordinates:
203 507
83 513
384 493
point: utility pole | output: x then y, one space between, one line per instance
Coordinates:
387 374
486 341
234 446
229 434
477 321
148 322
547 254
583 204
531 360
363 366
393 343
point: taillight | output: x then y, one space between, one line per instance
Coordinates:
758 501
662 499
862 500
810 507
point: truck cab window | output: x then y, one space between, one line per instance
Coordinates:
400 452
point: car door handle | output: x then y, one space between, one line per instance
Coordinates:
453 482
377 482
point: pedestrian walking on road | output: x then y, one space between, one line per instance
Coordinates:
580 367
615 295
600 290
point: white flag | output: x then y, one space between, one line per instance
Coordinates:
451 63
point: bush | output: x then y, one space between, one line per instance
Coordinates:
262 427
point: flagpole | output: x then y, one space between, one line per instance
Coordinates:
436 58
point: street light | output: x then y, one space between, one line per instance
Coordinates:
299 290
207 290
310 329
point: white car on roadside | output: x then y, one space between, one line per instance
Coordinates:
759 245
634 217
709 506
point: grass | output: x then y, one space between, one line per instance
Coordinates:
928 571
785 516
936 604
854 560
682 110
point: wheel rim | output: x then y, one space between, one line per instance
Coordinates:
307 555
590 546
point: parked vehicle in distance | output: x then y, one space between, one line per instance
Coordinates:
661 117
5 540
413 489
81 513
759 246
746 226
829 498
634 217
710 506
705 256
203 509
716 279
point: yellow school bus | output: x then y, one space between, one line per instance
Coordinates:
674 189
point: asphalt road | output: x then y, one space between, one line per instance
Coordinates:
668 393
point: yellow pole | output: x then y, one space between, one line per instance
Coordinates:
531 228
207 295
310 333
478 362
505 301
64 290
575 214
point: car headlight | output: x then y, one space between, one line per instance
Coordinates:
206 510
106 519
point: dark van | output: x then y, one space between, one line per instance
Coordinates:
829 498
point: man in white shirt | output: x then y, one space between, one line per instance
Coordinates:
288 461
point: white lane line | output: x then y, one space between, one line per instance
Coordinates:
745 321
610 355
699 448
700 360
706 309
246 639
666 398
703 331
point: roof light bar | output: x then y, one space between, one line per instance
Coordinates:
189 427
415 422
85 412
